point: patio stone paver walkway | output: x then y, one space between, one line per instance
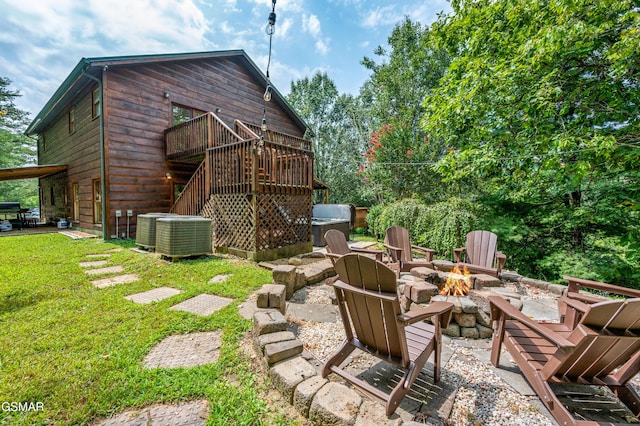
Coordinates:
93 263
154 295
111 281
192 413
203 304
186 350
107 270
98 255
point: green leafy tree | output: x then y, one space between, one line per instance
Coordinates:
339 125
540 102
16 149
399 156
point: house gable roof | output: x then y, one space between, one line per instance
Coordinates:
89 69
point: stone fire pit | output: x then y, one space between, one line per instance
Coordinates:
471 317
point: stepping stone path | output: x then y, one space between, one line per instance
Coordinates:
193 413
186 350
120 279
203 304
179 351
154 295
93 263
107 270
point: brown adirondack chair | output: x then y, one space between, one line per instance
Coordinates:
571 317
399 250
337 246
580 373
373 322
481 254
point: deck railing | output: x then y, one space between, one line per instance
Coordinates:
195 136
281 138
246 166
195 194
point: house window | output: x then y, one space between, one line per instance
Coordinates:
97 202
43 141
53 200
72 120
95 103
181 113
65 195
75 200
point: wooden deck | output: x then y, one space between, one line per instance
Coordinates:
255 185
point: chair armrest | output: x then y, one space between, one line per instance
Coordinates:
394 252
377 253
500 306
423 312
576 283
501 259
457 254
427 251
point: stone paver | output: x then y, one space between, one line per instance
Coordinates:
218 279
185 350
335 404
193 413
312 312
107 270
93 264
120 279
154 295
203 304
98 255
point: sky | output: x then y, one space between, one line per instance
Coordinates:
41 41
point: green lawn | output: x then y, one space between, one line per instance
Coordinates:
78 350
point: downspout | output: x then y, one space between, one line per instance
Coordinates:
103 182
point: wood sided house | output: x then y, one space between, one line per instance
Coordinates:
181 133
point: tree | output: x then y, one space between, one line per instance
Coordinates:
540 102
339 127
16 149
400 153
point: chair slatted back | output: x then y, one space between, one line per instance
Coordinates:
481 248
607 336
336 242
398 236
374 318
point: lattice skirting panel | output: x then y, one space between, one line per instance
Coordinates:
282 220
262 222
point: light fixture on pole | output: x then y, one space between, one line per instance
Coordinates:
270 29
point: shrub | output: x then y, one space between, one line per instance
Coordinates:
440 226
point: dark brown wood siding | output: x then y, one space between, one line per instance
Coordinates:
80 151
137 113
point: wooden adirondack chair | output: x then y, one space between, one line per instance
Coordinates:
399 250
373 322
337 246
571 317
481 255
580 373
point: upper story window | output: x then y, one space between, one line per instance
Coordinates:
72 120
43 141
96 103
181 113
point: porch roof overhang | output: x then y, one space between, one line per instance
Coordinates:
30 172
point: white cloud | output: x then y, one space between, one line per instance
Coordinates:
380 16
311 24
322 47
